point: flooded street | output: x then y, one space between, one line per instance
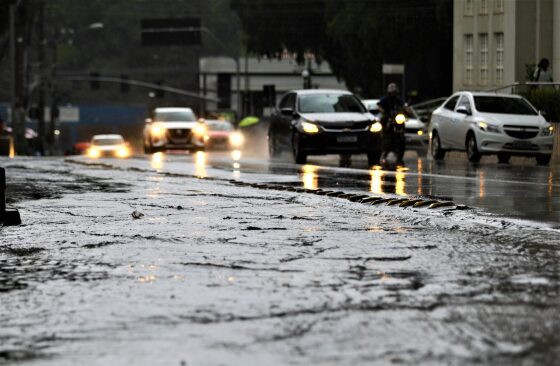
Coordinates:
164 261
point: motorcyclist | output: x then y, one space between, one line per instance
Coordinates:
393 139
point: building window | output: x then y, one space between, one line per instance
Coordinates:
483 41
468 7
499 41
468 59
499 6
483 7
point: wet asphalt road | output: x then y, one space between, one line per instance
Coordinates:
210 273
520 189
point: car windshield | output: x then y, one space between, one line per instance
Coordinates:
219 126
330 103
503 105
107 141
175 116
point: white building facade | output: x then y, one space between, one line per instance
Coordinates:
495 41
218 79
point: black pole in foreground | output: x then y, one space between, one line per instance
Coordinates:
7 217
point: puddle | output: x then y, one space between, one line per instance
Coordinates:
23 185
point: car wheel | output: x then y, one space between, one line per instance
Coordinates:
543 159
299 156
437 152
472 149
503 158
373 157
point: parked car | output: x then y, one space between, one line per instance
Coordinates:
108 146
173 129
319 122
222 135
490 124
415 130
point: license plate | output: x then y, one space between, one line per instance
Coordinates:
522 145
349 138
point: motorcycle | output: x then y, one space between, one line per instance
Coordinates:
393 140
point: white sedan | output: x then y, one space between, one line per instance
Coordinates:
108 146
490 124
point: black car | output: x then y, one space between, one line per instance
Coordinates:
320 122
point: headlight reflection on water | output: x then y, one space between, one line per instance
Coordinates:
200 159
157 160
376 180
380 181
309 176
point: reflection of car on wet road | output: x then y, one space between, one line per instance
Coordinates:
488 123
320 122
416 131
173 128
222 135
108 146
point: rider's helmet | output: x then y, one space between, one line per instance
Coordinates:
392 89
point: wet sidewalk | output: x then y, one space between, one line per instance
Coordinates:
121 266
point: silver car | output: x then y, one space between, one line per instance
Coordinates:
173 129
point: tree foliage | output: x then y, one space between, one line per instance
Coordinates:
357 36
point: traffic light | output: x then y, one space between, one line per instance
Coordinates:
125 86
94 82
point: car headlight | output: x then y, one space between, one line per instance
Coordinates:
199 130
486 127
309 127
400 118
376 127
420 133
158 130
122 152
93 153
236 139
548 131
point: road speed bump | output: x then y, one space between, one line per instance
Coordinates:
357 197
441 204
396 201
370 199
423 203
409 203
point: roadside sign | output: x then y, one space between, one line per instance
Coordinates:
65 114
392 69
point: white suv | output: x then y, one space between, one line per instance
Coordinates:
173 129
489 123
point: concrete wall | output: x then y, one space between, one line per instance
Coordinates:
491 23
556 39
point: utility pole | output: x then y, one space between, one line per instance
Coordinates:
42 77
17 52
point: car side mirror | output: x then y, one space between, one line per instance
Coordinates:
464 110
288 112
148 120
542 113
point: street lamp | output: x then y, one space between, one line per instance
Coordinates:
97 25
